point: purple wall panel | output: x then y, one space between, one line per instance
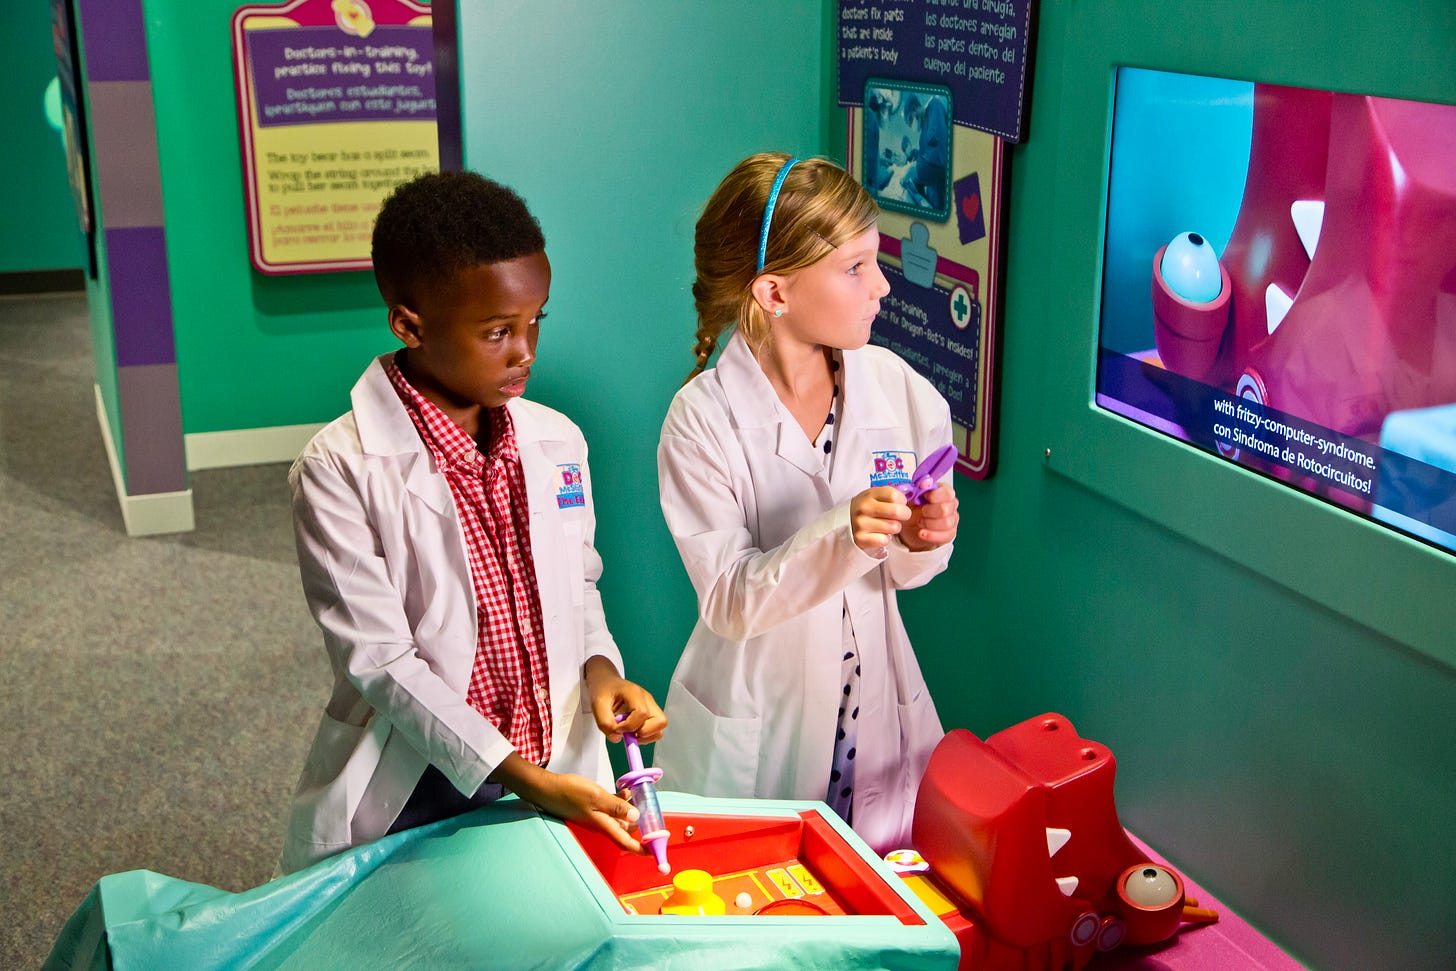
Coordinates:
114 40
141 303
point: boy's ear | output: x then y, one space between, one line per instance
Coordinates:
768 292
405 324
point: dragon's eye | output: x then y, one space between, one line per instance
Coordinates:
1190 268
1150 886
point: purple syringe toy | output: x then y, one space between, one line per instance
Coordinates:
642 784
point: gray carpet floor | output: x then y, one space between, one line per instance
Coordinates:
156 694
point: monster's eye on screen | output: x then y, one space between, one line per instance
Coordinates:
1150 886
1190 268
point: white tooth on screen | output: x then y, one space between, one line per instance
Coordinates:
1276 305
1056 839
1308 216
1067 885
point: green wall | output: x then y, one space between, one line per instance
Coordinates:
38 225
1272 741
252 350
1286 754
615 122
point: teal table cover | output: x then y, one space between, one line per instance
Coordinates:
502 887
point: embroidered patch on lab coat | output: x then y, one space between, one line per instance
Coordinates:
891 467
569 490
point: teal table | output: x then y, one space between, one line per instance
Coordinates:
501 887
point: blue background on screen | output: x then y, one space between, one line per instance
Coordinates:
1180 152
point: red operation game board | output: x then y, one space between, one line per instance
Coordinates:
762 866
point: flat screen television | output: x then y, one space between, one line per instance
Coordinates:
1279 287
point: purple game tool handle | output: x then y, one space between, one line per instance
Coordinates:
642 781
935 465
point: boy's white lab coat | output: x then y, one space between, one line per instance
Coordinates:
385 572
765 537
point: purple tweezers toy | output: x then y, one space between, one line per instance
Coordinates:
935 465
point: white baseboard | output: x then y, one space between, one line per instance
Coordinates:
246 446
146 515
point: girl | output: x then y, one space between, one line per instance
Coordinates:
777 471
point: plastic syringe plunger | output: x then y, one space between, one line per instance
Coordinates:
641 784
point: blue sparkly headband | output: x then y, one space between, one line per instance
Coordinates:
768 209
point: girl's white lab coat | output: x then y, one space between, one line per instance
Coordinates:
385 572
765 537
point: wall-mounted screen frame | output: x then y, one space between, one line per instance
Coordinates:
1279 286
1390 582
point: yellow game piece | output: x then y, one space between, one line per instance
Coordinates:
787 885
805 879
693 896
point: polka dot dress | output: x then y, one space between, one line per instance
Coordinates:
841 773
840 795
825 442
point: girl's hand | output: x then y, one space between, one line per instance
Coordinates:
612 695
876 516
934 523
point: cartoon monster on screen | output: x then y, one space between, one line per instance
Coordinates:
1317 334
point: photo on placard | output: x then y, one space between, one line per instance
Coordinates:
907 147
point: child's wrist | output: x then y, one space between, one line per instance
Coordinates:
599 666
520 776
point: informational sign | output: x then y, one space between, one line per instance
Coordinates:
934 89
979 49
336 107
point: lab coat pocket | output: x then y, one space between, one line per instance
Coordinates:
920 732
706 753
321 811
333 745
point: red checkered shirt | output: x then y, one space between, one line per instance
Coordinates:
509 683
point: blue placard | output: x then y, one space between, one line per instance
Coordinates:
935 325
976 48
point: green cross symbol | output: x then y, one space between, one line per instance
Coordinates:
961 307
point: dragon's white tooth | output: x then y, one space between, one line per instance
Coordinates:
1308 216
1276 305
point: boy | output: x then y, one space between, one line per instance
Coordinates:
445 529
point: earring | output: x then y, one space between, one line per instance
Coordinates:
778 313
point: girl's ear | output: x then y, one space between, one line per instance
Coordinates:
404 323
768 292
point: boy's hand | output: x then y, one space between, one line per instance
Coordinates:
876 516
612 695
934 523
573 797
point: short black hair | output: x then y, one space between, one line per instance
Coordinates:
440 223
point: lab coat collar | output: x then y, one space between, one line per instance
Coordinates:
385 429
754 401
384 426
865 404
755 404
